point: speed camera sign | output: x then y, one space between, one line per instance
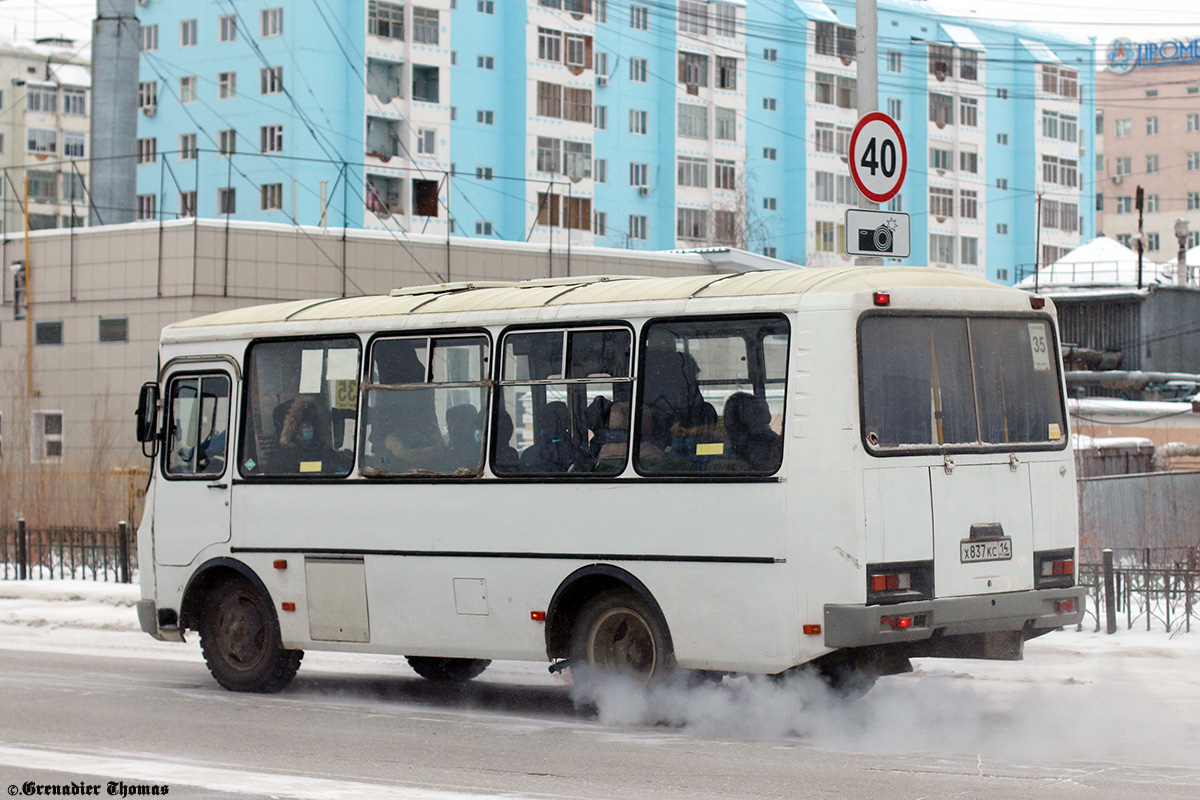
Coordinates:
878 157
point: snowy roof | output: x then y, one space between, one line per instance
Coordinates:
71 75
1100 262
1192 257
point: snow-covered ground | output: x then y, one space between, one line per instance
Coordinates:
1133 697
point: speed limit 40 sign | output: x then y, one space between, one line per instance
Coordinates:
878 157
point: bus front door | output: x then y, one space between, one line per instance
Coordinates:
191 498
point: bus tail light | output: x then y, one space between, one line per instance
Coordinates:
812 630
1054 568
899 582
883 298
537 616
1064 606
1037 302
288 606
900 623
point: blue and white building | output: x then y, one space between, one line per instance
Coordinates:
613 122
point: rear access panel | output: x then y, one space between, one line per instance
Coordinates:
982 529
337 599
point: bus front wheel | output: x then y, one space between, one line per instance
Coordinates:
449 670
617 632
241 643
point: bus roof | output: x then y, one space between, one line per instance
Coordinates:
473 296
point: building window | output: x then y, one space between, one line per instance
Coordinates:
73 143
940 158
639 174
147 150
969 250
1193 201
896 204
227 200
114 329
941 202
968 161
638 227
486 6
226 85
600 223
823 184
770 154
724 19
1152 163
270 196
1124 165
74 102
270 80
385 20
726 119
187 89
485 117
600 170
941 109
577 49
638 121
770 54
43 186
549 154
74 189
969 203
693 17
847 192
1002 183
639 18
550 45
270 139
271 22
638 70
726 71
1060 81
847 92
1152 241
1123 128
1002 228
895 108
425 25
146 207
824 83
577 160
577 105
825 236
1002 94
147 95
823 137
691 223
1001 138
149 38
485 62
187 33
968 65
724 174
968 112
941 248
693 121
1193 123
426 142
1125 205
188 150
39 140
228 23
187 204
941 61
895 61
425 84
46 443
600 117
692 172
770 104
693 69
1193 161
1151 126
41 99
549 100
483 228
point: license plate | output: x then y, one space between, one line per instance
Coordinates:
973 550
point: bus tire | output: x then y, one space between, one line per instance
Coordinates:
447 670
617 632
240 639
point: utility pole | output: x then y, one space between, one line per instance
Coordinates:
1141 241
867 40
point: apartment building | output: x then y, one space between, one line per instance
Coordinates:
591 122
44 103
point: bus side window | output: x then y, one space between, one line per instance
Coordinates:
712 396
301 400
423 410
198 426
558 388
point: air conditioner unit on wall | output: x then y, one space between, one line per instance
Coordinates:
602 80
149 110
1116 179
644 191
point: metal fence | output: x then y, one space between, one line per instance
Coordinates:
67 553
1145 594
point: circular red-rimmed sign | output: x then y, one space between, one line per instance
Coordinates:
878 157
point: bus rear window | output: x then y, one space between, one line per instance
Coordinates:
959 383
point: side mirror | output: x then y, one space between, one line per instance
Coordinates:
147 413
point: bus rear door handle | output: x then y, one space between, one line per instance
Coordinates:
217 485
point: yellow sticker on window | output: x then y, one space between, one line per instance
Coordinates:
1055 431
710 449
310 466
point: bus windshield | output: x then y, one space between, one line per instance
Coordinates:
959 383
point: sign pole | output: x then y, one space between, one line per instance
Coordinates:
867 35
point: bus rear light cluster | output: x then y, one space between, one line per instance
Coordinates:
1054 569
1064 606
904 622
1037 302
883 298
899 582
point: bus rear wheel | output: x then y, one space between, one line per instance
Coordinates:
240 639
618 633
448 670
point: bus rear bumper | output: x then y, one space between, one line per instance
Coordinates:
932 626
148 618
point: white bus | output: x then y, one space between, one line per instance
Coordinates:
833 470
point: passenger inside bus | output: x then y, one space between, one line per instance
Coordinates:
553 449
612 454
304 441
404 433
507 458
748 431
463 430
671 393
